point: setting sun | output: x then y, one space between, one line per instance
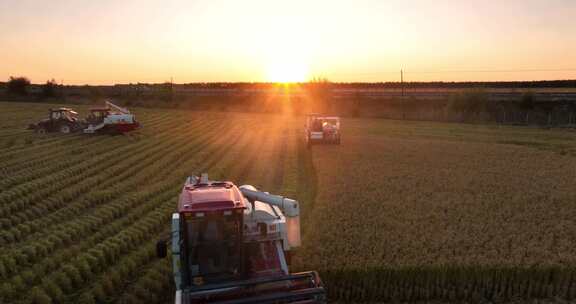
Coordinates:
286 71
285 53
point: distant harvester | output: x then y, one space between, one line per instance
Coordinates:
322 129
108 119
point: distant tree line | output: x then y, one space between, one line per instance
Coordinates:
370 85
393 84
462 85
21 86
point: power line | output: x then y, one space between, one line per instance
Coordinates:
493 71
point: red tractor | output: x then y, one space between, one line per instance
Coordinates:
63 120
232 245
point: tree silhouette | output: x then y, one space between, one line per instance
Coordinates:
18 85
50 88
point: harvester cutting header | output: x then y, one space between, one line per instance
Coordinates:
232 245
108 119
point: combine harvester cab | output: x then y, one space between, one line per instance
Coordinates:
322 129
232 245
110 119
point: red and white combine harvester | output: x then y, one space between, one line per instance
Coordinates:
322 129
232 245
110 119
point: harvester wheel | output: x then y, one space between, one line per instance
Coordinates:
65 129
41 130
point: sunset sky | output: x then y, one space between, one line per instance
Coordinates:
121 41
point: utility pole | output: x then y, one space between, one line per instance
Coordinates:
402 87
171 89
402 81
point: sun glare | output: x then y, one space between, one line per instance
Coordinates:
286 71
285 51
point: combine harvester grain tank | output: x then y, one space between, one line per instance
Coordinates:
232 245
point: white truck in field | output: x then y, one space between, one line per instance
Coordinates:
322 129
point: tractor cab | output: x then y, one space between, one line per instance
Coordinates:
63 114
